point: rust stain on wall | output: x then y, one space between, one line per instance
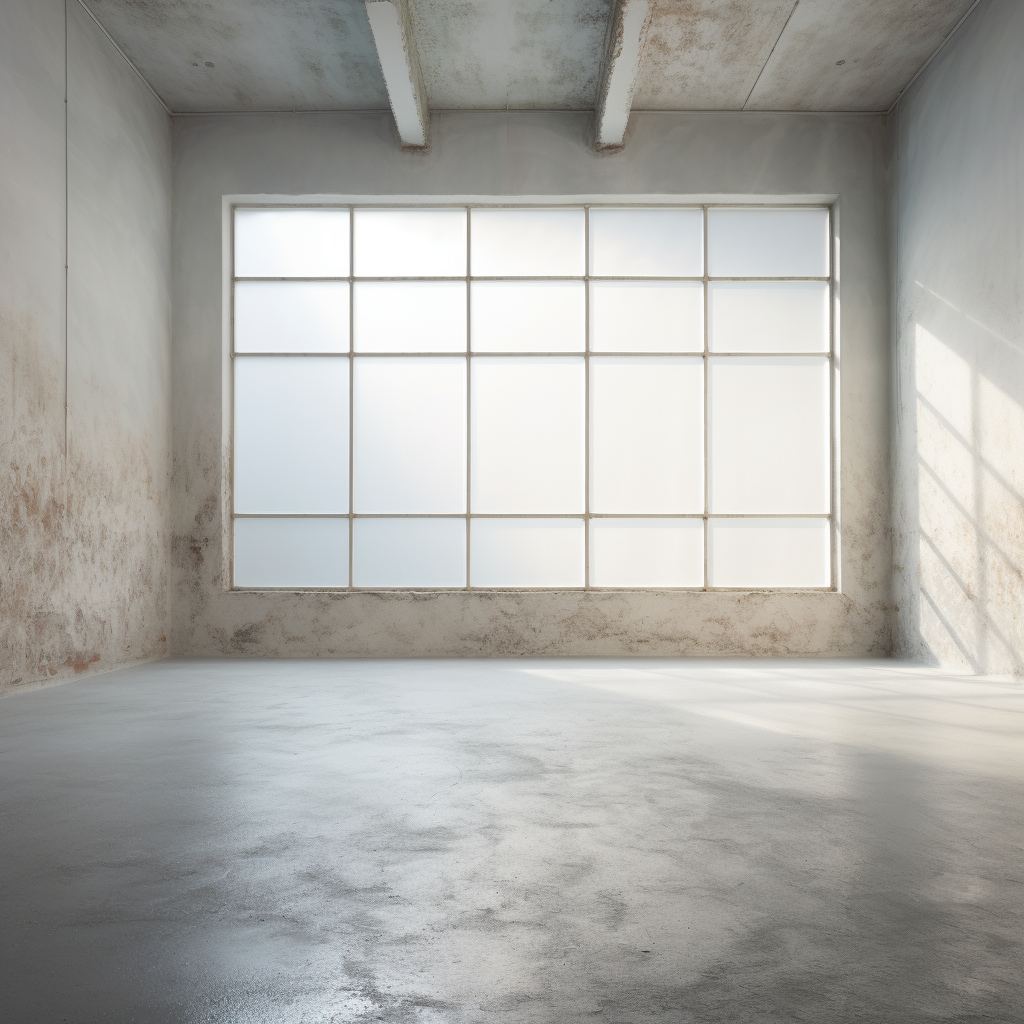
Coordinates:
80 662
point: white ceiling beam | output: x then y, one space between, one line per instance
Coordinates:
630 22
391 25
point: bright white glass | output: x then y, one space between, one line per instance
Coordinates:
526 553
768 316
409 553
661 242
410 243
646 316
528 316
646 553
528 434
291 434
409 435
291 243
291 553
528 243
768 553
754 242
768 447
647 434
291 316
409 316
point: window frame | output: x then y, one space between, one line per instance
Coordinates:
832 516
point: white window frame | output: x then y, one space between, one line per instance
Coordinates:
610 202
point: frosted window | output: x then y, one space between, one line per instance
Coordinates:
410 243
410 316
291 243
768 316
528 243
646 553
291 434
768 434
291 553
526 553
291 316
427 412
768 243
647 243
528 316
409 553
409 435
528 427
768 553
647 434
646 316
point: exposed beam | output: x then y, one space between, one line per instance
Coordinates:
391 25
630 22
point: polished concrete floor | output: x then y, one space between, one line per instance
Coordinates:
269 842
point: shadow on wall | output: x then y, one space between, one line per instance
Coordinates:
963 487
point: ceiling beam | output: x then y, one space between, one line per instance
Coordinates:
630 21
391 25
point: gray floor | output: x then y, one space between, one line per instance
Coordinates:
530 841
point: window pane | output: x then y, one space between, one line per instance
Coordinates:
526 553
410 316
646 316
527 442
410 435
409 553
768 243
646 553
291 553
768 316
528 316
768 553
647 434
769 434
528 243
291 316
410 243
291 434
291 243
647 243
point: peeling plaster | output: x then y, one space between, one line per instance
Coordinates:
84 507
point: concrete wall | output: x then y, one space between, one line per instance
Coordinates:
959 350
84 499
527 154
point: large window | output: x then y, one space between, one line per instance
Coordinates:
480 397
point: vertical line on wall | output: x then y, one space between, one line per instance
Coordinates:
67 192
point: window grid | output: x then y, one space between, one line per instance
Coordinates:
587 516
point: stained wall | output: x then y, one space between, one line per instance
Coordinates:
958 214
710 155
84 372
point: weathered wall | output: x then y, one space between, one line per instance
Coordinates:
84 505
527 154
959 374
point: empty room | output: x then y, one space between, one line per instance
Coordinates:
512 511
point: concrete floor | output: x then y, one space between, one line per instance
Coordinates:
528 841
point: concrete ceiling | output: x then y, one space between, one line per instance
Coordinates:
206 55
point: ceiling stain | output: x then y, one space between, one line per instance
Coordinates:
707 54
531 54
